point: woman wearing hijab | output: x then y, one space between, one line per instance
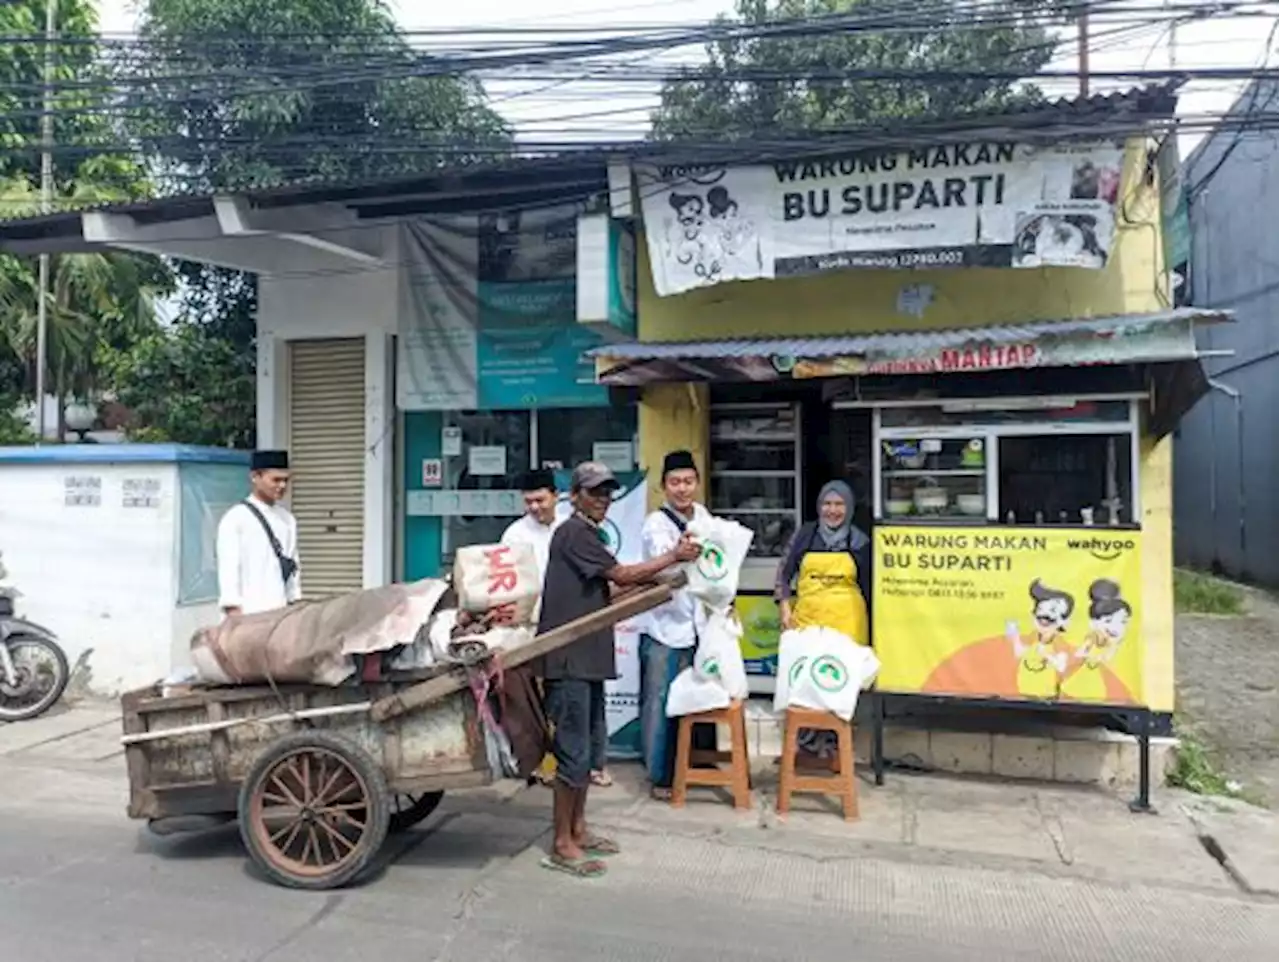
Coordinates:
829 564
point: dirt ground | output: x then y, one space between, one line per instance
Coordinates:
1227 690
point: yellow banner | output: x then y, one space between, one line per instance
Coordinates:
1018 613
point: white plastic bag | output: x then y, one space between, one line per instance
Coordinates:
691 693
822 669
498 578
713 578
719 655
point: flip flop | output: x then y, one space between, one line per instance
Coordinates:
601 779
597 846
578 868
660 794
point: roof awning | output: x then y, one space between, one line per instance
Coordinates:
1153 338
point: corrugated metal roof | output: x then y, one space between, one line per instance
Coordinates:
905 342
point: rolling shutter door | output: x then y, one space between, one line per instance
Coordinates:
326 452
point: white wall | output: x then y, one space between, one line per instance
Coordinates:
103 577
354 301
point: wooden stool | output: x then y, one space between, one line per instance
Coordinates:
841 782
736 778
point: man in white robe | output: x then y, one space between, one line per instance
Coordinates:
257 547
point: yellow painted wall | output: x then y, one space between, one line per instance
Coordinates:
1156 479
675 416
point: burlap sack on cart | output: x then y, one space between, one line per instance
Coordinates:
314 643
500 580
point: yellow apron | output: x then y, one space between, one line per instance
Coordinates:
1087 683
828 596
1037 678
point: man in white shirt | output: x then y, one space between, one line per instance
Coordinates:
258 543
539 522
670 638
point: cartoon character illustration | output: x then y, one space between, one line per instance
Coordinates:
1043 654
707 232
734 233
692 244
1109 617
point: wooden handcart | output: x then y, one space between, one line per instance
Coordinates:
317 776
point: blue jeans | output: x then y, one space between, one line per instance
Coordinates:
659 666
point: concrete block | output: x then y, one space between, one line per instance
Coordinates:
1022 756
1086 762
966 753
907 745
1163 758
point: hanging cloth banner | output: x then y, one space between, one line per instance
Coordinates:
947 205
489 317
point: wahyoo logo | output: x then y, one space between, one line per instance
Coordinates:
711 563
797 669
1104 549
829 674
711 667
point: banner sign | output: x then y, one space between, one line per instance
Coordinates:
490 315
1013 613
761 633
1135 343
948 205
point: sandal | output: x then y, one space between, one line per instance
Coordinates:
601 779
659 794
597 846
577 867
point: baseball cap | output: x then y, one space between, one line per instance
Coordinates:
591 475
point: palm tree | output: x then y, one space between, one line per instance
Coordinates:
95 300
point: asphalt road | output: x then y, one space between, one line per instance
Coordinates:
83 885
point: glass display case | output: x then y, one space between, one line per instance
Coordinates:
936 478
1029 460
755 471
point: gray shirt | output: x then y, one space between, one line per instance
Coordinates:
575 586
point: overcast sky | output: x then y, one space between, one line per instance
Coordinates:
532 107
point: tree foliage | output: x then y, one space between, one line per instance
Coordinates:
97 303
271 92
793 85
274 91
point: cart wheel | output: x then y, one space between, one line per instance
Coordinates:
314 810
408 810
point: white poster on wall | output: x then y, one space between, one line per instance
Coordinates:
946 205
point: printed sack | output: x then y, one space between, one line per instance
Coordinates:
498 578
822 669
690 693
719 655
713 577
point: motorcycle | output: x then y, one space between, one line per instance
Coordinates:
33 668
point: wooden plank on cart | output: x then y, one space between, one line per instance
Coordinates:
623 606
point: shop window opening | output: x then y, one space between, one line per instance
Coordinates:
1019 461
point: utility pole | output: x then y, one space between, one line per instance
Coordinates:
1082 41
46 203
